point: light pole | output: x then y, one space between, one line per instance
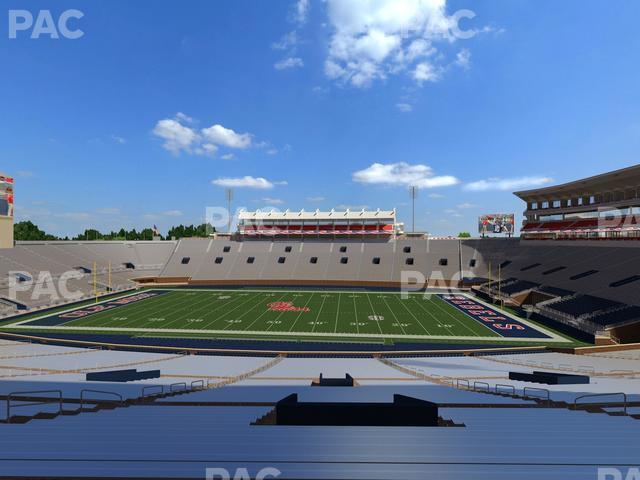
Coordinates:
229 194
413 193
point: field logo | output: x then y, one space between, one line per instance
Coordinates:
375 318
286 307
44 24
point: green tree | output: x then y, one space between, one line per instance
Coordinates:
464 235
28 231
182 231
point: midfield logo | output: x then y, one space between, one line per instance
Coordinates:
286 307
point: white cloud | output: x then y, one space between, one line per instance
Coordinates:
435 195
425 72
219 135
207 149
288 63
463 59
108 211
246 182
272 201
177 138
315 199
74 215
272 151
172 213
118 139
228 156
184 118
403 174
507 183
466 205
404 107
372 39
352 207
301 11
24 174
287 41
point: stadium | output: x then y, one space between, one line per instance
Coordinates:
271 350
319 240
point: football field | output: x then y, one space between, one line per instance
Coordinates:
299 315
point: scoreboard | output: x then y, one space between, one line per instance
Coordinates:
6 196
496 223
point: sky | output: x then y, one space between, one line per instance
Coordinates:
158 106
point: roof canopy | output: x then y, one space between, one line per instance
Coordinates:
317 215
617 180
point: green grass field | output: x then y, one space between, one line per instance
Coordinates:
282 314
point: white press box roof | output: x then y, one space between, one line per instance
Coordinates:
317 215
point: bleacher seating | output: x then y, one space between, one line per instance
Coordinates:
559 292
519 286
623 315
581 305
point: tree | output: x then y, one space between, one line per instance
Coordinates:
464 235
28 231
182 231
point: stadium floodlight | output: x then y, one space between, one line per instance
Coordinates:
229 194
413 193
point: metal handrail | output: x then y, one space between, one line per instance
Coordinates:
462 380
534 389
15 394
82 392
171 389
481 383
197 382
149 387
591 395
447 380
503 386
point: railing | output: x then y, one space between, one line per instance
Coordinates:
197 384
45 401
484 384
595 395
102 392
174 387
150 387
500 386
462 380
547 397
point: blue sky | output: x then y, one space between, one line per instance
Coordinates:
308 104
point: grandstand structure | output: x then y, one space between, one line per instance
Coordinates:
81 398
318 224
602 207
30 270
6 211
